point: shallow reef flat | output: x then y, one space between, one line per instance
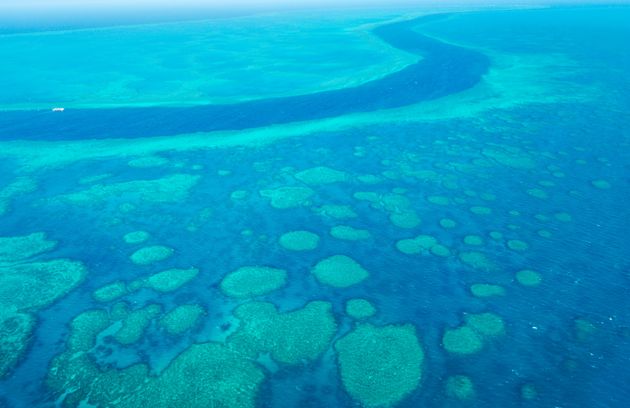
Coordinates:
167 64
469 250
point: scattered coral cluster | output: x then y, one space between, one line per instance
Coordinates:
28 284
379 363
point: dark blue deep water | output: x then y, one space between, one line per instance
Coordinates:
506 137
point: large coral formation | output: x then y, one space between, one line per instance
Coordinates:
527 277
486 324
110 292
169 280
169 189
411 246
13 249
440 250
299 240
470 337
290 337
348 233
517 245
27 286
250 281
15 330
288 197
448 223
136 237
360 309
380 365
339 271
462 340
32 286
405 219
460 387
207 374
485 290
135 323
204 375
151 254
165 281
182 318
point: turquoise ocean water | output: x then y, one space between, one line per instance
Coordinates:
410 208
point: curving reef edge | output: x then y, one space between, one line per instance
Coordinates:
444 69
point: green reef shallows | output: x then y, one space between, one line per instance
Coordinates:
379 366
250 281
151 254
360 309
182 318
299 240
470 337
339 271
290 337
208 374
27 286
460 387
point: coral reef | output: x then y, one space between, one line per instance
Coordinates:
527 277
169 280
460 387
204 375
170 189
136 237
348 233
26 287
299 240
379 366
462 340
288 197
485 290
360 309
339 271
321 175
250 281
182 318
290 337
13 249
110 292
135 323
469 338
151 254
412 246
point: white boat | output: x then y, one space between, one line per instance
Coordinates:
58 109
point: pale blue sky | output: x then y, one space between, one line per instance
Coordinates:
36 10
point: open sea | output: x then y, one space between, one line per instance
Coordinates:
359 208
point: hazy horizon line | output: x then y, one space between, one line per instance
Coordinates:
37 15
34 5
